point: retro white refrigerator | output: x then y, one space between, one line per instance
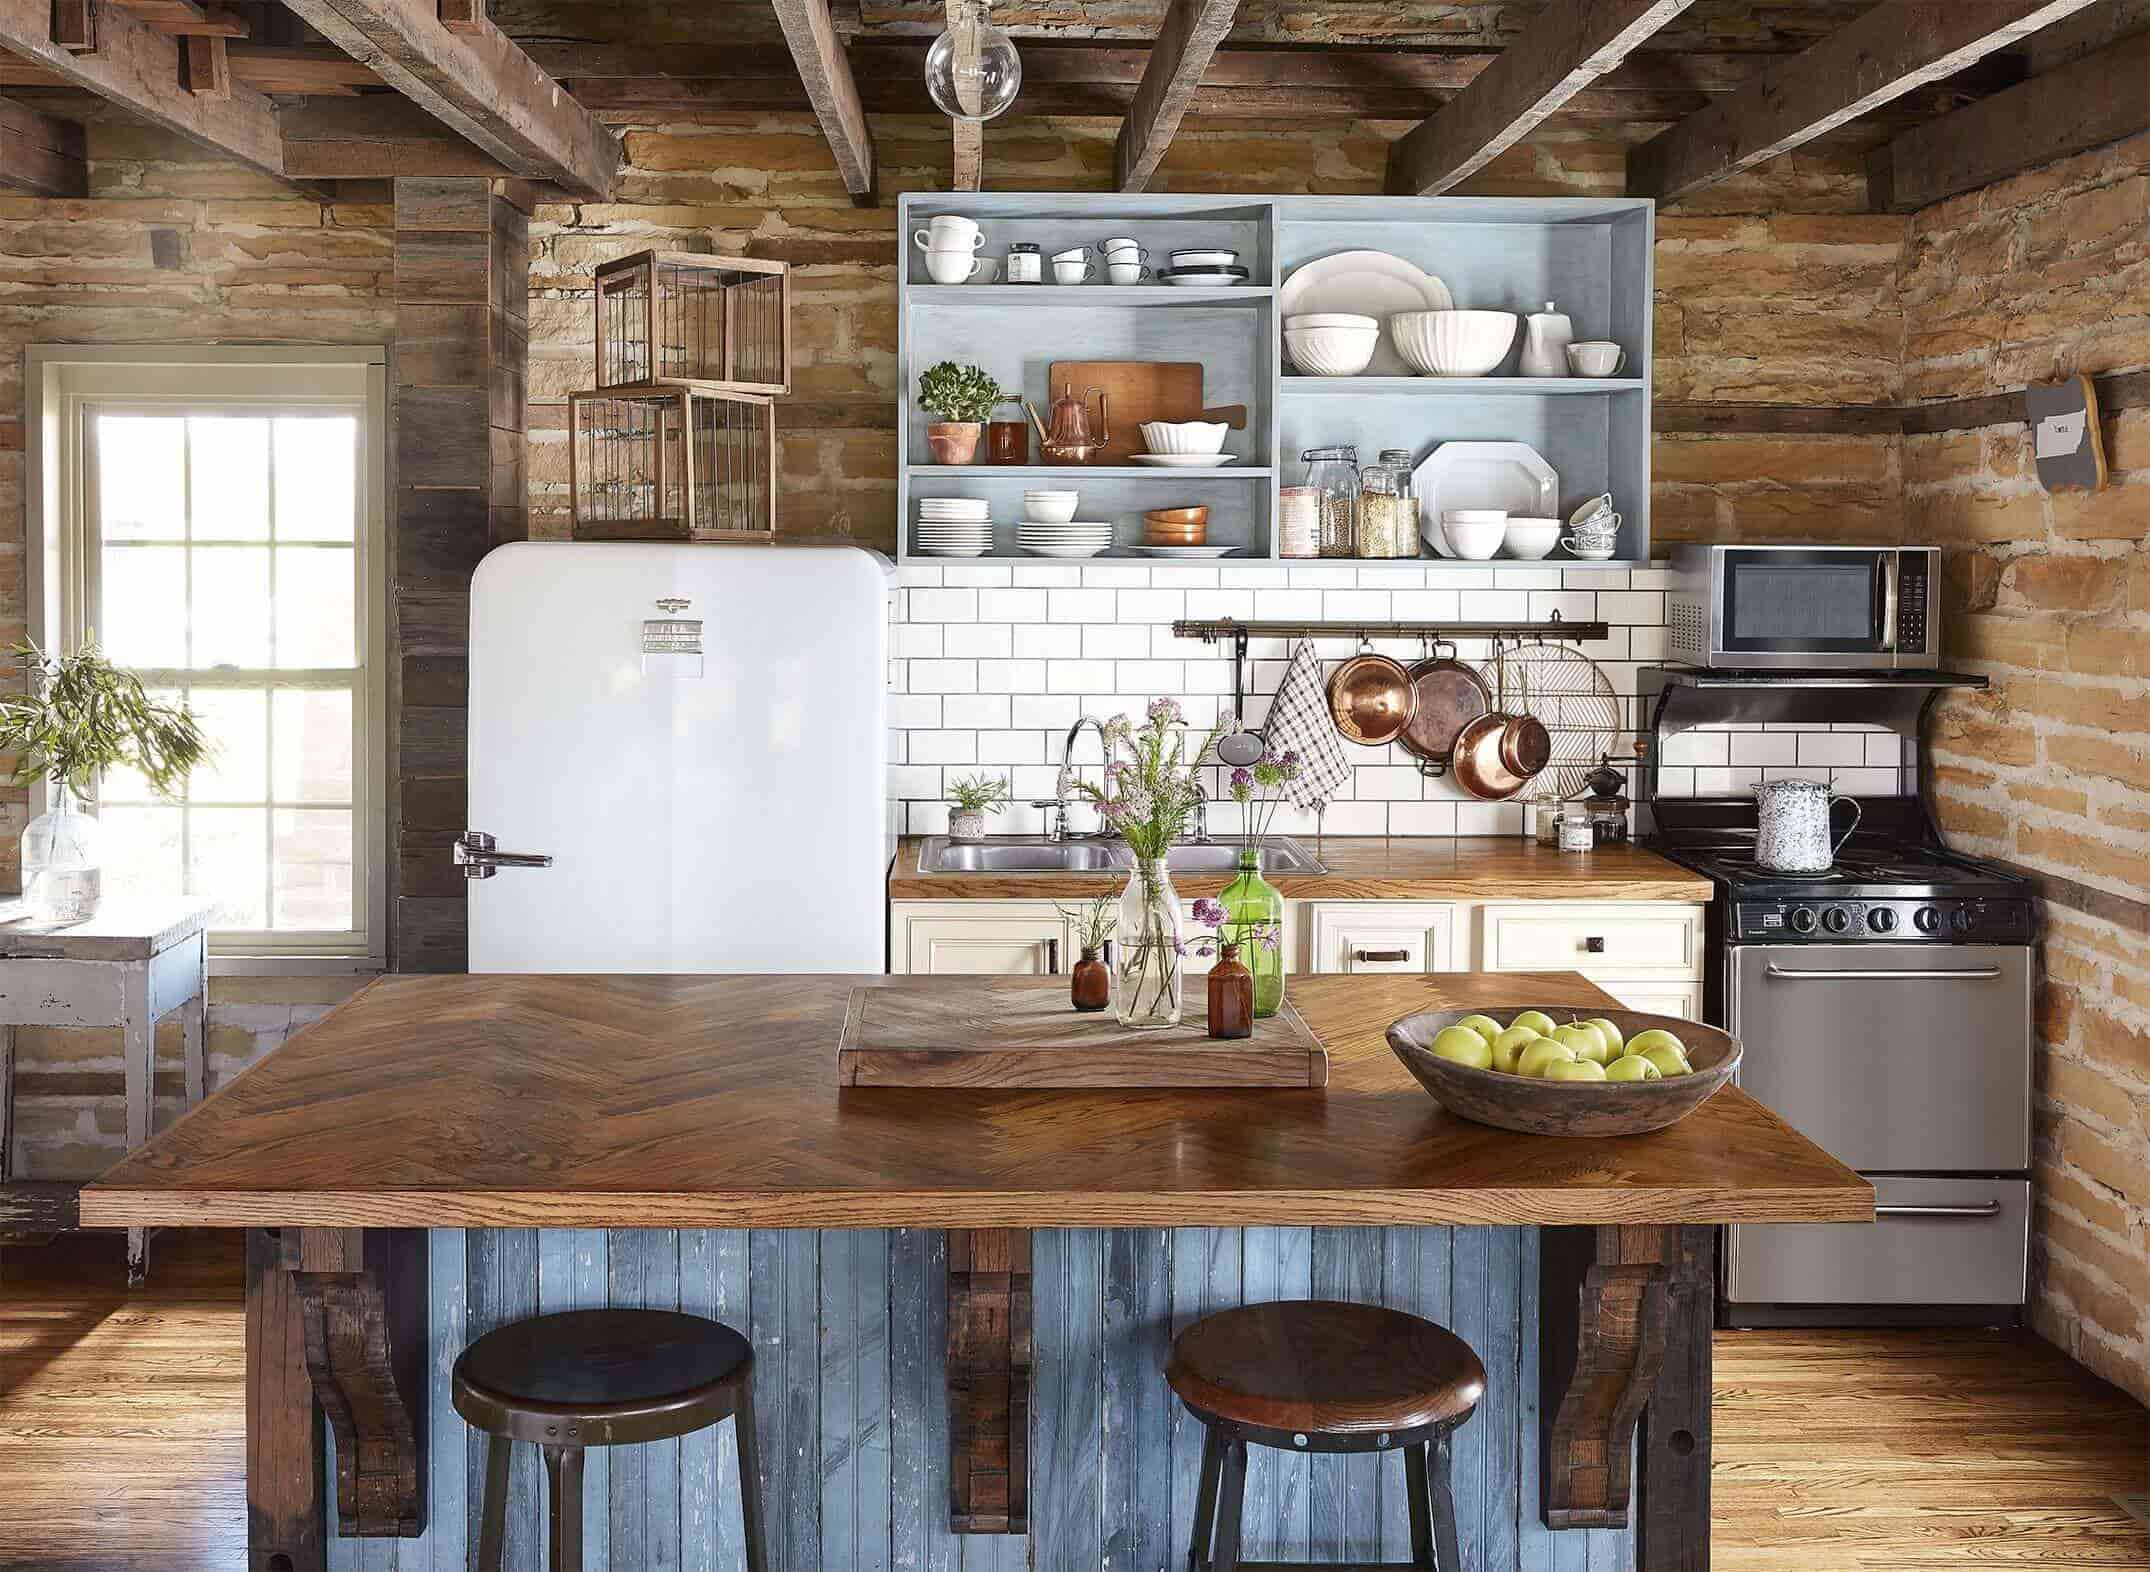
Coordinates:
696 737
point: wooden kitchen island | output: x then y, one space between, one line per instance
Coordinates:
442 1154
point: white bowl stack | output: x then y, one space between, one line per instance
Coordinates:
954 527
1049 527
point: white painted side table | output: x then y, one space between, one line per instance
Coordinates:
133 963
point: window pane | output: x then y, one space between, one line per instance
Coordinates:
228 861
141 476
315 607
313 869
316 478
143 620
231 606
228 472
236 724
313 746
141 850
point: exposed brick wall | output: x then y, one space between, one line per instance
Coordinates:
2034 278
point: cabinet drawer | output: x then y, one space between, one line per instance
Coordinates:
1371 937
1656 995
1609 938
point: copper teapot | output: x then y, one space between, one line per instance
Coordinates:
1067 438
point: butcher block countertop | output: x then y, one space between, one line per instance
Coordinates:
1365 868
699 1101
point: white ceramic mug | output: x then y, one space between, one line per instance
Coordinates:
949 232
1126 272
1596 358
953 267
1071 272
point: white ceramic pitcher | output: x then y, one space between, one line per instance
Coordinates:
1792 827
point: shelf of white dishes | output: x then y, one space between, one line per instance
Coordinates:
1091 294
1296 386
920 472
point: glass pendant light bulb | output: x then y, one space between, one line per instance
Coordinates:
972 70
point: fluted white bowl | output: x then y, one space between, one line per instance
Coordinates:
1453 343
1184 436
1331 351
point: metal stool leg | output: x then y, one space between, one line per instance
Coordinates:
1230 1507
493 1518
1414 1478
1205 1500
1444 1508
749 1478
563 1488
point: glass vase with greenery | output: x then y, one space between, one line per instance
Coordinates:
970 799
78 717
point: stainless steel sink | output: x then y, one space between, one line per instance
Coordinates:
938 854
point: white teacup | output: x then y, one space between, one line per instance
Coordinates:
1071 272
1126 272
953 267
949 232
1596 358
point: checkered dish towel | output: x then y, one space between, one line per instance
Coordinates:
1299 719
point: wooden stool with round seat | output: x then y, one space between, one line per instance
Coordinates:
587 1378
1316 1375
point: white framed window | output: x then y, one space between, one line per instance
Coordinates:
215 519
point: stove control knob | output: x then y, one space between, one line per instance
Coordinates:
1960 919
1881 919
1927 919
1802 919
1836 919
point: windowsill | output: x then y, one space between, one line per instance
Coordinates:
294 965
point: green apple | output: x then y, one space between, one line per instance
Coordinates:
1539 1058
1464 1046
1537 1020
1633 1067
1614 1042
1583 1039
1484 1025
1509 1046
1577 1070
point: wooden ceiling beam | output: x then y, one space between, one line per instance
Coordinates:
1897 47
1561 51
480 84
41 154
2099 98
818 55
138 68
1186 42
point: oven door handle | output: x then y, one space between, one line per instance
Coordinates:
1989 1209
1806 974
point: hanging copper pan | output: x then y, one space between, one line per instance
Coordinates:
1447 695
1370 699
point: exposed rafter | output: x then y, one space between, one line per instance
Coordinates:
1187 39
819 55
1897 47
2099 98
1566 47
480 84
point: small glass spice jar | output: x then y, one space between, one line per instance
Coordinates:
1231 995
1090 984
1299 521
1026 264
1334 473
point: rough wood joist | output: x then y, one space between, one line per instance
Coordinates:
2100 98
1561 51
41 154
480 83
1894 49
1186 42
825 71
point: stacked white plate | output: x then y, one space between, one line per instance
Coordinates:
954 527
1076 538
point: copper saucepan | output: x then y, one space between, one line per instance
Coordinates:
1370 698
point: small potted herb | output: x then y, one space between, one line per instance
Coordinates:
1090 984
970 800
962 398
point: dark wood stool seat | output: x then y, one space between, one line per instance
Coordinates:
587 1378
1318 1375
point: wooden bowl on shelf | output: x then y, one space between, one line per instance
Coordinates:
1575 1108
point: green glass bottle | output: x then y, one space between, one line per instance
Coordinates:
1250 900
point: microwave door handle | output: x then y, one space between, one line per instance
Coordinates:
1889 565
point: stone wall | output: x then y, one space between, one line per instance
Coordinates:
2038 277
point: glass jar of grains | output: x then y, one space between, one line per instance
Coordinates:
1383 528
1334 473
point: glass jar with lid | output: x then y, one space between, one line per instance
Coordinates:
1334 473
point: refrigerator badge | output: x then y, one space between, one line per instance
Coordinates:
672 644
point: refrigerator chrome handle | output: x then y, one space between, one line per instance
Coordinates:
1989 1209
1809 974
474 853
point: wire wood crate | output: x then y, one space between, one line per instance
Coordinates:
672 463
718 323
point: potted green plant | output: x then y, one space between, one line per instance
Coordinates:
962 398
80 716
970 800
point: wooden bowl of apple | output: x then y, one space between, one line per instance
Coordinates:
1559 1071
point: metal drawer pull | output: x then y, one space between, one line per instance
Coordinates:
1980 974
1381 955
1990 1209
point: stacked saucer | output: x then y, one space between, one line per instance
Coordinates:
954 527
1076 538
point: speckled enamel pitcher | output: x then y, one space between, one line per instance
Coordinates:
1792 828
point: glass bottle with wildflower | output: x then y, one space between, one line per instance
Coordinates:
1252 904
1148 796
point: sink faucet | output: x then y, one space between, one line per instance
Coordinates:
1063 786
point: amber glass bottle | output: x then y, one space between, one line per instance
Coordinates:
1231 995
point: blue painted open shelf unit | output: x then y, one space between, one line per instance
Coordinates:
1590 254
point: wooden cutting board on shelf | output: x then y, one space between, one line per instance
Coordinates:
1019 1033
1140 390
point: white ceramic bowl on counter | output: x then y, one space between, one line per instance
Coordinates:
1331 344
1453 343
1184 436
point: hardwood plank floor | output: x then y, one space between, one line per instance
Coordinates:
122 1439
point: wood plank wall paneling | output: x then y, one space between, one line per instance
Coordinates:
457 385
850 1331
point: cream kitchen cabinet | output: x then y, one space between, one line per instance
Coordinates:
1372 937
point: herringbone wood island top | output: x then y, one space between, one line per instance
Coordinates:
702 1101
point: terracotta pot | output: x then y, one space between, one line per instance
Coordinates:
954 441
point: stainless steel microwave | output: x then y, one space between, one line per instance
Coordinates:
1740 608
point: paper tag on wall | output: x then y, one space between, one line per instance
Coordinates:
672 644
